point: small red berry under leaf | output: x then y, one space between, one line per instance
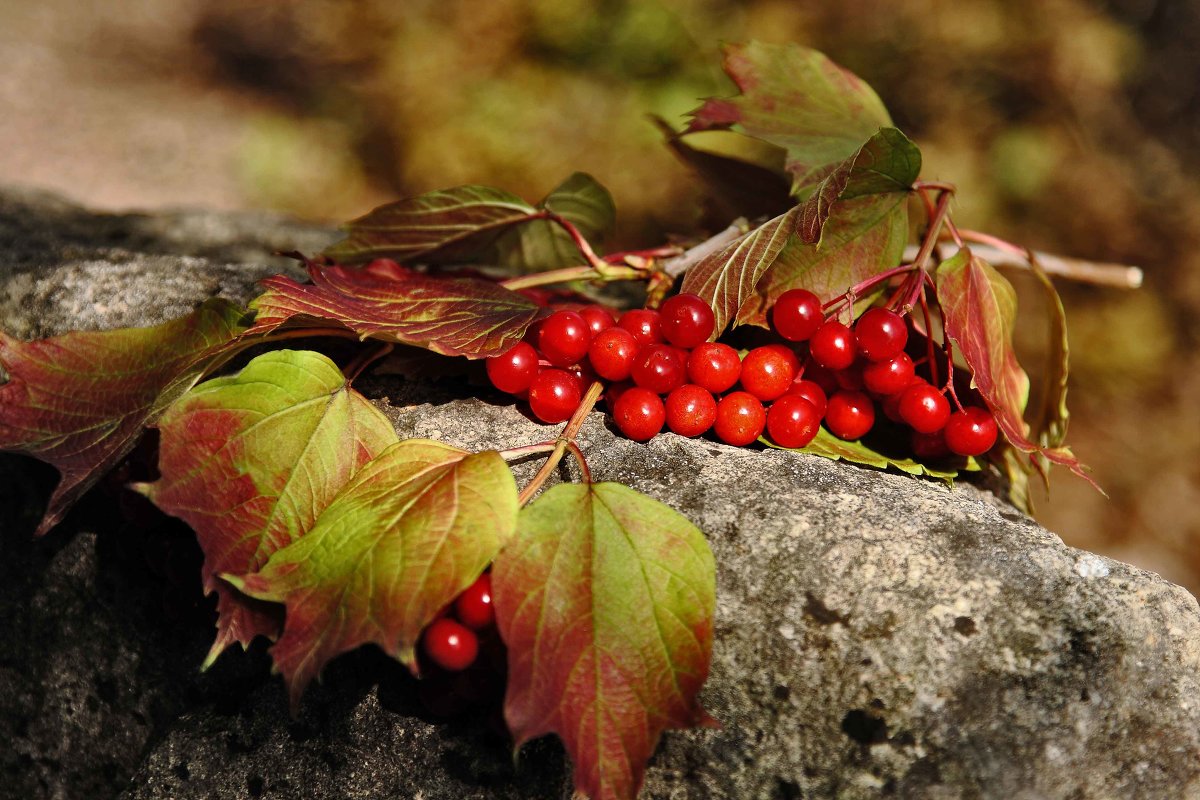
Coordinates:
598 318
850 415
612 352
810 391
691 410
450 645
714 366
889 376
563 338
792 421
768 372
686 320
971 432
639 413
474 606
513 370
554 395
880 334
740 418
659 368
929 446
923 408
796 315
833 346
644 324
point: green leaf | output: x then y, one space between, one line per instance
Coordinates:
797 99
408 533
606 602
80 401
542 244
727 278
250 460
454 316
827 445
979 307
866 237
445 226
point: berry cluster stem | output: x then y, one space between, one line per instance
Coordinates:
565 442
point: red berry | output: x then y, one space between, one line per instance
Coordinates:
691 410
880 334
768 372
613 392
639 413
686 320
810 391
797 315
450 645
612 352
644 324
740 418
971 432
832 346
563 338
849 378
850 415
714 366
923 408
821 377
474 606
888 377
929 446
554 395
659 368
513 370
598 318
792 421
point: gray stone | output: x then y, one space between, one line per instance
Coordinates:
877 635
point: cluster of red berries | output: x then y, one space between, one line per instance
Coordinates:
661 370
452 642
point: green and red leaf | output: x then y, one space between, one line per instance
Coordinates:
445 226
542 244
606 602
250 460
826 445
979 308
80 401
409 532
454 316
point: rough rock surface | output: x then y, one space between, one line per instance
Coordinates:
877 635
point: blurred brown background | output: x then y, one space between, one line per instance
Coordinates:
1070 126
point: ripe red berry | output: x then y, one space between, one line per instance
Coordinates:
792 421
474 606
644 324
797 315
833 346
850 415
890 376
612 352
613 392
450 645
686 320
691 410
639 413
563 338
598 318
768 372
850 378
880 334
714 366
970 432
810 391
513 370
554 395
659 368
929 446
740 418
923 408
821 377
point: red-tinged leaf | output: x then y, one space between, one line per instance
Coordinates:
606 603
542 244
445 226
250 460
454 316
887 163
866 237
80 401
979 307
727 278
409 532
797 99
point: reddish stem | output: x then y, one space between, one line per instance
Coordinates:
929 354
563 443
365 359
581 243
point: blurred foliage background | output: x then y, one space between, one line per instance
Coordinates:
1070 126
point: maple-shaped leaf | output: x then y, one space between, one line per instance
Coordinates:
454 316
447 225
866 237
606 601
80 401
409 532
979 308
797 99
728 277
543 244
827 445
887 163
250 460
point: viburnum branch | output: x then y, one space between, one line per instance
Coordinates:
564 440
921 261
526 450
580 460
665 251
1005 254
948 388
858 289
694 255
